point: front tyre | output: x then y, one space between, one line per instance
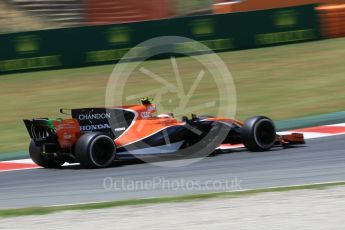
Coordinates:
95 150
258 133
37 156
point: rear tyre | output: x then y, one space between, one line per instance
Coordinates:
258 134
95 150
36 154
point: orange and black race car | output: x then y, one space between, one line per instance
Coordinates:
95 137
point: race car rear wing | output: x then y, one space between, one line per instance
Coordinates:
41 130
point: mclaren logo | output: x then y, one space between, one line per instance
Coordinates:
285 18
203 27
27 44
118 35
94 127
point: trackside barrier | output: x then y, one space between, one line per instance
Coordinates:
332 20
94 45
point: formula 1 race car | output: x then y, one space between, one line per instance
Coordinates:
95 137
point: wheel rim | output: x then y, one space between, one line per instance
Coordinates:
102 151
264 133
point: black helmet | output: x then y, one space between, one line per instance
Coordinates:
146 101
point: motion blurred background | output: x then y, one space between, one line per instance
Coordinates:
26 15
257 39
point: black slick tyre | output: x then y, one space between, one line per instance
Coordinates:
36 155
95 150
258 134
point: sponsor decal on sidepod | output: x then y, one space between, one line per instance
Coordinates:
95 116
94 127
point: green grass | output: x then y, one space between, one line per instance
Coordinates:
112 204
281 82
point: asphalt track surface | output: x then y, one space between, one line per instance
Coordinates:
320 160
